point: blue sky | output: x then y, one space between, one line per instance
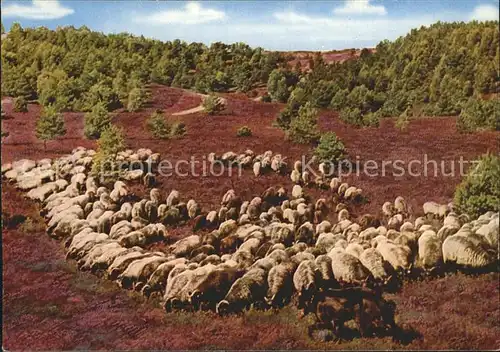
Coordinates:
277 25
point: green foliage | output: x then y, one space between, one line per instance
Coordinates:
109 144
178 129
403 120
213 105
157 125
81 68
285 117
136 98
352 116
437 68
20 104
266 98
279 84
303 128
244 131
96 121
49 125
479 192
330 148
479 115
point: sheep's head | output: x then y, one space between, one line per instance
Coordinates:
222 307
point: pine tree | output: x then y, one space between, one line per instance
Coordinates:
303 128
109 144
49 125
96 121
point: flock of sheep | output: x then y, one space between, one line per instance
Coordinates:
266 252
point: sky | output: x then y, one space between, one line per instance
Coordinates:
274 25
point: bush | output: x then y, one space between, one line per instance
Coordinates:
285 117
20 104
213 105
478 115
403 120
244 132
303 128
109 144
330 148
49 125
178 129
266 98
136 98
479 192
96 121
157 125
352 116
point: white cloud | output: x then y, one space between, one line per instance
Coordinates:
38 10
360 7
192 13
485 13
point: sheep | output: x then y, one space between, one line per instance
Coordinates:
347 268
86 262
213 287
374 262
388 209
139 271
256 169
122 261
434 209
278 255
297 192
82 243
323 227
490 232
305 282
462 251
306 178
248 289
326 241
173 198
354 249
305 233
295 176
230 194
398 256
229 244
251 246
400 205
280 233
149 180
277 163
227 227
280 284
193 208
429 250
106 258
352 193
185 246
297 166
343 215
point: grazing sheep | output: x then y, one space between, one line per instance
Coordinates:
173 198
400 205
297 192
430 252
374 262
280 284
245 291
256 169
462 251
185 246
343 215
295 176
323 227
347 268
139 271
388 209
305 282
305 233
398 256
